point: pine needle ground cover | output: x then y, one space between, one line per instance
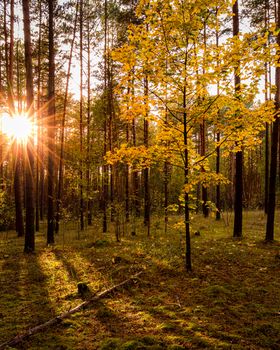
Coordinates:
230 301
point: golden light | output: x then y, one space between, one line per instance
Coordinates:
18 127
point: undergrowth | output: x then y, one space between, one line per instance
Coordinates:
231 300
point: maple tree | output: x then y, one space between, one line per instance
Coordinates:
181 69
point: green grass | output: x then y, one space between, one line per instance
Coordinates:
231 300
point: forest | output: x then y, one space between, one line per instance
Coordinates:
139 174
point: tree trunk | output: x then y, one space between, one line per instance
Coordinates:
51 126
18 191
218 187
105 167
82 223
267 128
29 168
88 200
147 203
238 199
274 145
17 146
39 160
186 172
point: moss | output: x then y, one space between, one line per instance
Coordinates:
110 344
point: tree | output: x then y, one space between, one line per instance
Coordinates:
29 168
51 126
238 202
269 236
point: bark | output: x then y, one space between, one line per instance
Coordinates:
6 44
267 129
51 126
269 236
39 163
105 167
218 187
205 208
18 191
127 201
238 196
88 200
82 223
29 168
147 203
17 175
186 173
11 59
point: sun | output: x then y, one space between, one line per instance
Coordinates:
18 126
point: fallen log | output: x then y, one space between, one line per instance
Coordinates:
20 337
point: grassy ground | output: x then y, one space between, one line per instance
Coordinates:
230 301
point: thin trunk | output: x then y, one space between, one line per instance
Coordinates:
62 137
82 224
186 171
18 146
29 168
6 44
266 82
218 187
105 168
147 203
51 126
127 201
166 163
135 177
238 200
205 208
88 203
11 59
1 134
18 191
39 162
274 145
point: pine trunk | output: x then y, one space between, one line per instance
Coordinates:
51 126
274 147
238 196
29 168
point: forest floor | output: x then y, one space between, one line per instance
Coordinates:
231 300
